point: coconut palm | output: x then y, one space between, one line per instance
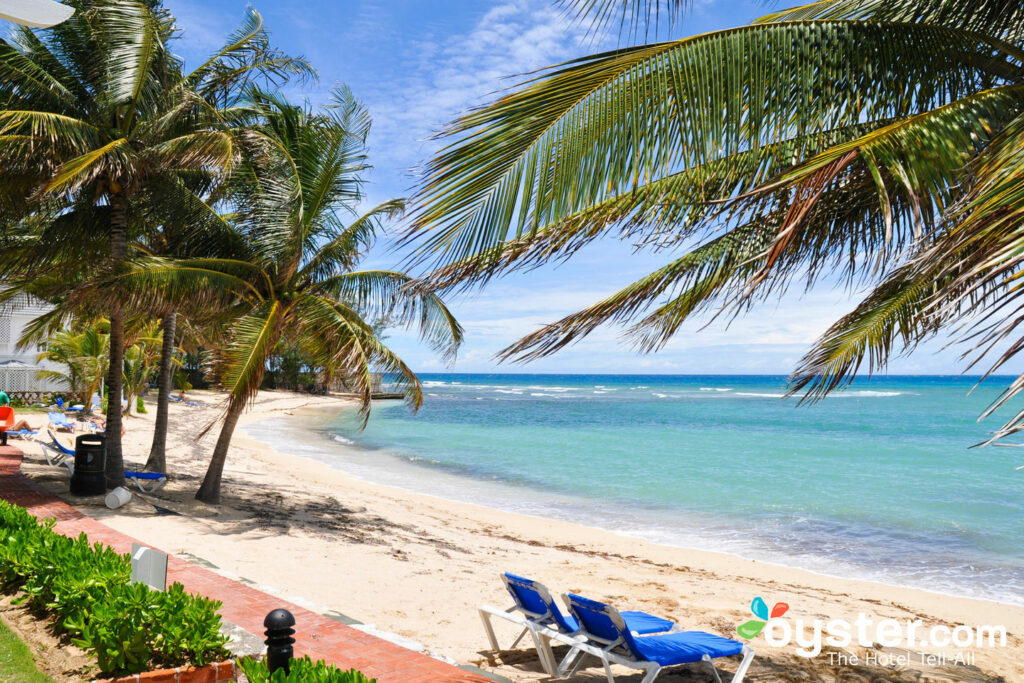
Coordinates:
140 362
299 283
83 353
867 141
97 117
194 230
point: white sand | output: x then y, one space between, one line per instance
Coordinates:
418 566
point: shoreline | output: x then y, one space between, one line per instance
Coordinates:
510 490
418 565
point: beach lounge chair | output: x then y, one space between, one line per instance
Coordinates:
23 433
56 453
148 482
539 616
610 640
60 421
65 408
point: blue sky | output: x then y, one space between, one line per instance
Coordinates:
418 63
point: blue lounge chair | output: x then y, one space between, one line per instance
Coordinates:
610 640
64 408
178 399
155 480
24 433
542 619
57 453
60 421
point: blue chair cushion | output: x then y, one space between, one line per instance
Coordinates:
638 622
642 622
143 475
527 595
682 648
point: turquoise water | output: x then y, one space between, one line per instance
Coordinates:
875 482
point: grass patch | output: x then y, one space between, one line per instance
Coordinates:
17 665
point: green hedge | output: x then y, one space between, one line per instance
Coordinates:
128 627
303 670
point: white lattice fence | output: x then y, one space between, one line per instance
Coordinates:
24 379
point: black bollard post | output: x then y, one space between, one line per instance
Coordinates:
279 639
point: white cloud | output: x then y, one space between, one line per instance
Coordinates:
444 75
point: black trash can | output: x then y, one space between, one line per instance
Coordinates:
89 478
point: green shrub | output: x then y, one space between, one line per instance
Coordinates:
128 627
140 405
303 670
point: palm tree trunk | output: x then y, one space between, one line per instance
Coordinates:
209 492
157 461
115 373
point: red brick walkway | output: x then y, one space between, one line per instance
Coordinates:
318 636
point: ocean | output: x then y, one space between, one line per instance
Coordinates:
875 482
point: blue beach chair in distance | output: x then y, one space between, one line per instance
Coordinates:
60 421
65 408
610 640
154 481
541 618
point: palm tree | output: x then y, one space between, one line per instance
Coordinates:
140 361
195 230
83 354
97 116
299 283
877 142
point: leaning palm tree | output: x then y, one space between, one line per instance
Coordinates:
874 142
94 114
299 281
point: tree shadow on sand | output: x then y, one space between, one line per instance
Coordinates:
276 509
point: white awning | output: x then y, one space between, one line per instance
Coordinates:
35 13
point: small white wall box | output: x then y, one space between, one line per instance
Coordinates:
149 567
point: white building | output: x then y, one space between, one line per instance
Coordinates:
18 367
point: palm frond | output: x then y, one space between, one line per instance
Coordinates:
392 296
243 361
602 126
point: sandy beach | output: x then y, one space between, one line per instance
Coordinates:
418 566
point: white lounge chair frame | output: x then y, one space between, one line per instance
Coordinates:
54 456
606 654
154 487
542 635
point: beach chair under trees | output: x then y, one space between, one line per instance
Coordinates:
538 614
148 482
55 452
60 421
609 638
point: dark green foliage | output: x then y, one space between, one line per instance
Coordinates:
127 627
303 670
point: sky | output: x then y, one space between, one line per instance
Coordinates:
417 64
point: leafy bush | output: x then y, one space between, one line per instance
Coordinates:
128 627
140 406
180 380
303 670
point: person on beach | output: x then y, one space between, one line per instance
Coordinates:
23 424
100 424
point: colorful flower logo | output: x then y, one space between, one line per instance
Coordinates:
750 629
